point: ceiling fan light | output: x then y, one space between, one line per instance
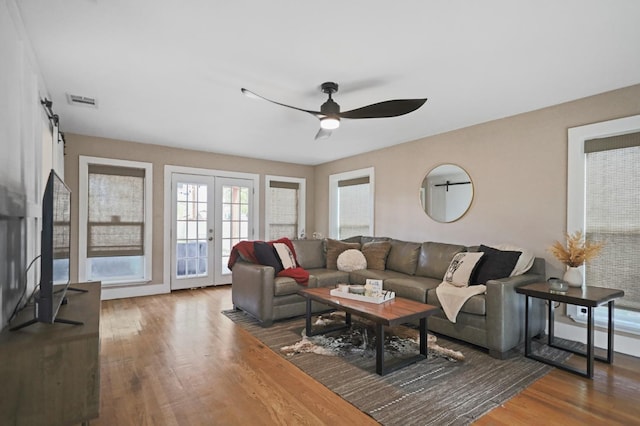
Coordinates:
330 123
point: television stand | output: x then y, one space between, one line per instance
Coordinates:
52 374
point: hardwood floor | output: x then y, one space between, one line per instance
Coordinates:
176 360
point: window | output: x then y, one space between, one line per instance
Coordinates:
604 194
115 221
351 203
285 207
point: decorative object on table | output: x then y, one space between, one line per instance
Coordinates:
558 285
362 297
373 288
356 289
343 287
577 252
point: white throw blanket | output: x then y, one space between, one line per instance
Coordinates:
452 298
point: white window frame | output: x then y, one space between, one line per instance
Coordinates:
333 197
576 205
83 200
302 202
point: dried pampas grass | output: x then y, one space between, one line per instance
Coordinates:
577 251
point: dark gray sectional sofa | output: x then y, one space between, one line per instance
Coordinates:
494 320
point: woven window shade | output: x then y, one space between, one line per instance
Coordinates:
116 211
613 214
353 211
283 210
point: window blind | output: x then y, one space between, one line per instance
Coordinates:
115 225
613 214
353 210
283 209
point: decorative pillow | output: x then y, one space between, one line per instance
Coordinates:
376 254
351 260
495 264
266 255
525 261
403 256
461 268
334 248
286 257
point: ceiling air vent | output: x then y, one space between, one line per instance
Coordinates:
82 101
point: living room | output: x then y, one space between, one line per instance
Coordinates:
517 161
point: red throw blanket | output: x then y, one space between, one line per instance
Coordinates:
245 250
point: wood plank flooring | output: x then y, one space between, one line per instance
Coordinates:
176 360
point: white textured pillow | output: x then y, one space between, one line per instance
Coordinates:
525 261
351 260
461 268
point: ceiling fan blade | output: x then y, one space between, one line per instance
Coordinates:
323 133
250 94
392 108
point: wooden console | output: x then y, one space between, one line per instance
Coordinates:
50 373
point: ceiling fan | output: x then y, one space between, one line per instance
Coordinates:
330 115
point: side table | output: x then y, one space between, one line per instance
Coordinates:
589 297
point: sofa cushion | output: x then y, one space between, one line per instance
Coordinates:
414 288
435 258
361 276
328 277
334 248
351 260
403 256
495 264
266 255
376 253
285 285
476 305
310 253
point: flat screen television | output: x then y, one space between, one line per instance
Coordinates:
55 244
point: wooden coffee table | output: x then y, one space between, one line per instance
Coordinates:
393 312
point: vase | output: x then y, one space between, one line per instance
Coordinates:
573 276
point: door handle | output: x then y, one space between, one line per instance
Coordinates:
210 238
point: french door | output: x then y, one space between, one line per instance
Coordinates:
210 215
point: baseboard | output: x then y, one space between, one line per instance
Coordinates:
109 293
621 343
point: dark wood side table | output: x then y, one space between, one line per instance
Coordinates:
589 297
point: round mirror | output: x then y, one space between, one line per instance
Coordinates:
446 193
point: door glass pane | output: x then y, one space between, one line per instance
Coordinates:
235 219
191 230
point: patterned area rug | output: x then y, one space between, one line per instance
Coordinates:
435 391
360 338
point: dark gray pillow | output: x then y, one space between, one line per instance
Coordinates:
266 255
494 264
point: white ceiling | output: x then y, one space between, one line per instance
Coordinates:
170 72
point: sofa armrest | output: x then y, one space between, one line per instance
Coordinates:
252 290
505 312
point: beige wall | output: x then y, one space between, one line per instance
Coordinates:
518 166
160 156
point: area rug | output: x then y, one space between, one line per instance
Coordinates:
435 391
360 339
